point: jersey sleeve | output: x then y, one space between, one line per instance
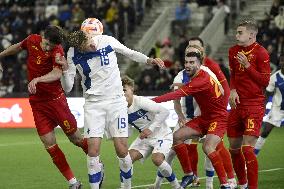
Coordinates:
271 85
158 110
24 43
261 74
194 86
57 50
132 54
231 65
67 80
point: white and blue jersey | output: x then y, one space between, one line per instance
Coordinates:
99 69
105 108
276 85
147 114
189 106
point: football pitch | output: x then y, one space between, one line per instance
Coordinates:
24 164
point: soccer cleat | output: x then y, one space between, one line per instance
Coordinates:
77 185
233 184
225 186
103 174
195 183
187 180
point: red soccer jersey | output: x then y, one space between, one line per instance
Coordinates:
206 93
250 83
40 63
215 68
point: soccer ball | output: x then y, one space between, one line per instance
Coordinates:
92 26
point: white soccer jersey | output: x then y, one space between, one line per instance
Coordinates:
189 106
99 69
276 114
145 113
276 85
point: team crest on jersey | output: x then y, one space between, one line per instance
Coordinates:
250 57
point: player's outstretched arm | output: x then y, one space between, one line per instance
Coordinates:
54 75
13 49
156 61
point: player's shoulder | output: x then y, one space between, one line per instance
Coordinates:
261 49
34 38
234 48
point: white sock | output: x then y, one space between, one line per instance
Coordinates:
243 186
94 171
260 142
72 180
166 170
125 165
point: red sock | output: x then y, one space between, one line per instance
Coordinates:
252 166
218 166
60 161
238 161
226 159
183 158
193 156
84 145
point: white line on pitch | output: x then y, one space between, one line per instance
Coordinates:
201 178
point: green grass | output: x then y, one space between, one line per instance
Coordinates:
24 164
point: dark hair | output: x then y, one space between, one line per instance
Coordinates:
127 81
76 39
54 34
195 54
249 24
197 39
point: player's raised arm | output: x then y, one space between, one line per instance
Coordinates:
69 70
135 55
11 50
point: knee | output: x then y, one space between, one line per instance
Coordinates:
158 159
176 138
207 148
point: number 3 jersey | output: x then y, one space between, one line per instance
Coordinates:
99 69
145 113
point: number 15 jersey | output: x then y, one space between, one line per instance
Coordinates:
99 69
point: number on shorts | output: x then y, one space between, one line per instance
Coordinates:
121 123
161 142
66 124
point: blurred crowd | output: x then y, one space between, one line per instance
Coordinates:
19 18
120 18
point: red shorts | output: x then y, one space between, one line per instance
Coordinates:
216 126
245 120
50 114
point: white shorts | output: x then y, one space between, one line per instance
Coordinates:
107 116
275 117
152 145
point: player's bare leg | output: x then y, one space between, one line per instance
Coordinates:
78 140
59 159
93 162
209 147
125 162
